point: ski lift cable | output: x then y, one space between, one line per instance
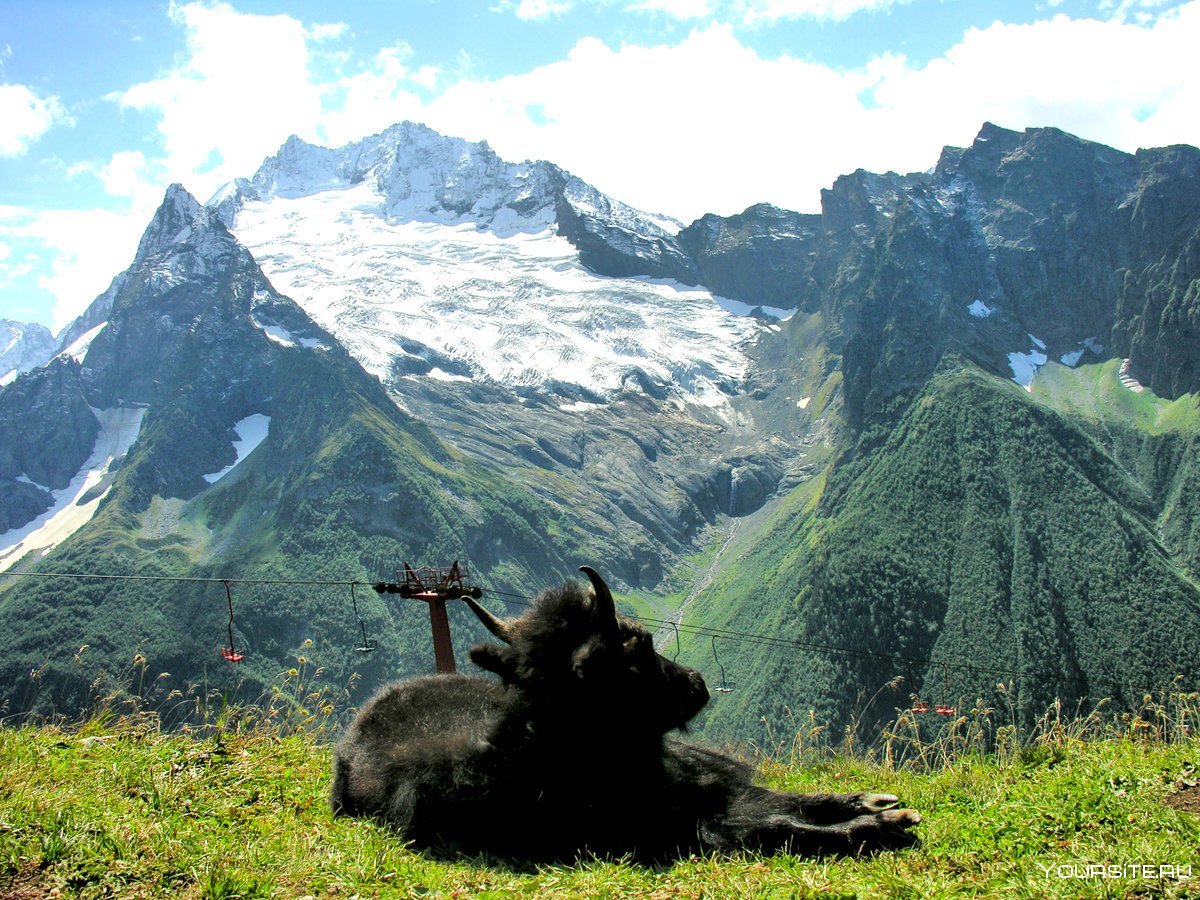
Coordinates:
774 640
699 630
898 658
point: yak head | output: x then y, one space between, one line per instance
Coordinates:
573 657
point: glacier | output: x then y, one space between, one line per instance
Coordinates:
428 257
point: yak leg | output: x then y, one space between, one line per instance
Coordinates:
818 824
824 809
889 830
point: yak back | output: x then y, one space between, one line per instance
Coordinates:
420 729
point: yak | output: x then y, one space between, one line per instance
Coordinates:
568 754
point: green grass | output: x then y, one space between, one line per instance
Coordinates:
1096 393
115 808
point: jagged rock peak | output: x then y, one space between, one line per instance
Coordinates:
173 222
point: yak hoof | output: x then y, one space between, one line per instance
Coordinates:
905 818
879 802
887 830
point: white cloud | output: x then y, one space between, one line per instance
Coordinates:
705 124
533 10
25 117
708 124
770 11
329 32
1141 11
242 90
1116 82
125 174
678 9
369 101
89 247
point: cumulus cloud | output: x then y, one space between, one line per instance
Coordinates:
242 90
380 95
88 247
709 124
25 117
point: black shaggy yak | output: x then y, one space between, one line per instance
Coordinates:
568 754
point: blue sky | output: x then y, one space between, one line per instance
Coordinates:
676 106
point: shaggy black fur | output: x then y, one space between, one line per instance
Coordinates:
568 755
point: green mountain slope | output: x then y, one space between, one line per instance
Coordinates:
986 539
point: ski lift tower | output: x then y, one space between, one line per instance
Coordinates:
435 585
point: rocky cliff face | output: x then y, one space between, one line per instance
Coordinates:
46 432
1158 309
1022 248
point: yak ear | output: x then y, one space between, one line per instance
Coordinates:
602 598
494 658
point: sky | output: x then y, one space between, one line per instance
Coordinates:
681 107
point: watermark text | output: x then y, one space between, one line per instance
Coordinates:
1124 871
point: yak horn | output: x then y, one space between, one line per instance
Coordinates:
606 607
496 626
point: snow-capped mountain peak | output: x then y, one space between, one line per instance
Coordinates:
431 256
23 346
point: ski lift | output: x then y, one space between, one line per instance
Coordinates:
230 654
918 705
944 708
726 686
675 658
368 645
433 583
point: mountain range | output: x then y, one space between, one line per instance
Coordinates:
936 441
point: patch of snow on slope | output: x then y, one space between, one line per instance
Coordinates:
280 335
79 347
251 432
1024 366
980 310
745 309
25 479
517 308
75 504
1071 359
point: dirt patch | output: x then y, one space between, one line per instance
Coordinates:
1186 799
